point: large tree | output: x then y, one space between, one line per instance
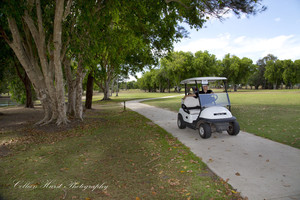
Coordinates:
262 63
291 73
178 66
36 39
274 71
236 70
204 64
257 78
297 66
146 81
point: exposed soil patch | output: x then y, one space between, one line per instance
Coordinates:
15 118
18 118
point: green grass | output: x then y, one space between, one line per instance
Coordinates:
172 104
271 114
126 95
123 151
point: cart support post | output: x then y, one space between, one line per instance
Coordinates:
225 84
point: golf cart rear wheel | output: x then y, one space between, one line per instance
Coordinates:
204 130
180 123
234 128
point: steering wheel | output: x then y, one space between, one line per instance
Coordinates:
215 97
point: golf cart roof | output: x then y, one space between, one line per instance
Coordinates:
202 80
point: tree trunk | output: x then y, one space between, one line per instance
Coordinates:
117 90
74 89
78 105
27 85
71 87
112 87
29 100
57 34
89 91
41 61
106 90
71 99
235 88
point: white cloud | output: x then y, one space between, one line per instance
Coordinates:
239 40
277 19
282 46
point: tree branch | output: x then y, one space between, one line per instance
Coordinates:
14 30
99 6
64 49
4 36
19 73
40 21
27 44
67 10
178 1
32 28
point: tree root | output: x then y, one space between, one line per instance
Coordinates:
42 122
105 99
48 122
62 121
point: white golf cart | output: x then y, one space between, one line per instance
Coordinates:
207 112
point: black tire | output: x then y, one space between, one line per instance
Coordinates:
234 128
180 123
204 130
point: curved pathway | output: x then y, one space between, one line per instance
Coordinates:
258 168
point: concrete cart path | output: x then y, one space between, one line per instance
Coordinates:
258 168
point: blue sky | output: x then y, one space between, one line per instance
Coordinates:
275 31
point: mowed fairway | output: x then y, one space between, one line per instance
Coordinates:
126 95
267 113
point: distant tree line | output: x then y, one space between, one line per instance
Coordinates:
268 72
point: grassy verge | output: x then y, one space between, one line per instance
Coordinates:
111 155
270 114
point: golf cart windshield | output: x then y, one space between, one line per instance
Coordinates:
214 99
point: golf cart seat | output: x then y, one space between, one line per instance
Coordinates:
191 105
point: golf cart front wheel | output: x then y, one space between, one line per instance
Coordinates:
234 128
180 123
204 130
